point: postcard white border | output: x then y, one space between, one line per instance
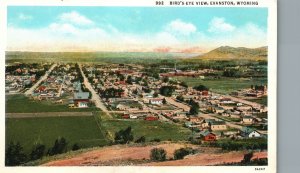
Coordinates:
272 91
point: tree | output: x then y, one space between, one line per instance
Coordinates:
182 152
142 139
37 152
129 80
60 146
201 88
194 107
155 94
124 136
167 90
164 101
158 154
14 154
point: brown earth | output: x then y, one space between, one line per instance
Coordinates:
140 155
115 153
208 159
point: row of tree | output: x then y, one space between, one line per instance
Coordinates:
15 155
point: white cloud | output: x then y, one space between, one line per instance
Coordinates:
218 25
24 17
67 35
75 18
179 27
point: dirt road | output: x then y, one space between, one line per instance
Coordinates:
28 92
47 114
95 97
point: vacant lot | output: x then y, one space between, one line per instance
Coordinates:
22 104
223 85
28 131
149 129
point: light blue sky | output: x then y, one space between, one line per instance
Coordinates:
135 28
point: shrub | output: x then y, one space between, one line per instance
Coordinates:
75 147
142 139
158 154
182 152
155 140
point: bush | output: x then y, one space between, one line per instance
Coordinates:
158 154
182 152
75 147
142 139
155 140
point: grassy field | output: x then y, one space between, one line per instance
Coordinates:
28 131
262 100
22 104
223 85
149 129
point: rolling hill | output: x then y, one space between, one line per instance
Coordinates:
229 53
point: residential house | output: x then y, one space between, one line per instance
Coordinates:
207 136
81 99
249 133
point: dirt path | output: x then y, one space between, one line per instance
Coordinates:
47 114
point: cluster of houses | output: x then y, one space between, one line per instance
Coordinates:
62 86
16 84
128 89
18 76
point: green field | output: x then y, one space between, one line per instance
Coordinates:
22 104
28 131
223 85
149 129
262 100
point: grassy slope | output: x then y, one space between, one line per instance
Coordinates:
81 130
22 104
149 129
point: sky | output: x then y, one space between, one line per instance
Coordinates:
134 29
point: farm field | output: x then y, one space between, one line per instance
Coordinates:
150 129
22 104
28 131
223 85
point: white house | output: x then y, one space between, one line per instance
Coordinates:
156 101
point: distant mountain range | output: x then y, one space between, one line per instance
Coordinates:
230 53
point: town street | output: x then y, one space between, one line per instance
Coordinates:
95 97
30 91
